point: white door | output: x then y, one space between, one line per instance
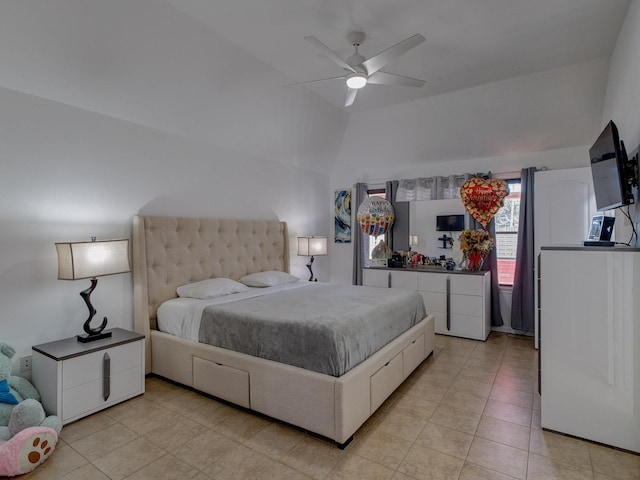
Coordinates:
563 204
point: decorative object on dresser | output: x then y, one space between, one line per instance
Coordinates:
312 246
77 379
375 216
476 245
483 198
80 260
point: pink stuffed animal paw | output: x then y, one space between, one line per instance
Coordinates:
25 451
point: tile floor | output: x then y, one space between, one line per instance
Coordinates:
468 412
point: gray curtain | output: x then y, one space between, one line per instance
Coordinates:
356 233
522 304
490 263
398 235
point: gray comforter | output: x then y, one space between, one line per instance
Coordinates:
324 328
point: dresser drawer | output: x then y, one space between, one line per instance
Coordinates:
467 284
433 282
375 278
434 302
406 280
461 326
467 305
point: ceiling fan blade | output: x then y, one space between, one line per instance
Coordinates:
384 78
378 61
351 96
314 81
333 56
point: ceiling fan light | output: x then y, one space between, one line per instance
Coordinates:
356 80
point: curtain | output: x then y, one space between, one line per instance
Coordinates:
398 235
416 189
429 188
523 298
357 235
390 188
491 262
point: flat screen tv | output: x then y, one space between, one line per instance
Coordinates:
609 168
450 223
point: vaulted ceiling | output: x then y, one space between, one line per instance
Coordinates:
468 43
216 71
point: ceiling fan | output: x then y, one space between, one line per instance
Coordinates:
361 70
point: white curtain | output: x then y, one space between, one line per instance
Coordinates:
416 189
430 188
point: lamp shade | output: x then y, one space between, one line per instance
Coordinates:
78 260
312 246
414 240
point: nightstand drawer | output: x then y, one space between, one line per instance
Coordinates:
84 369
122 386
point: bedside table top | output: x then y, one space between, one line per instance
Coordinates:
71 347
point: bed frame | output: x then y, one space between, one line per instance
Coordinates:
171 251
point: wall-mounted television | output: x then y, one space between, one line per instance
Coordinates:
450 223
613 174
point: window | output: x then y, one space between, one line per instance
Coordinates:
506 221
373 241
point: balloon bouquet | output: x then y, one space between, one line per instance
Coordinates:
375 217
482 198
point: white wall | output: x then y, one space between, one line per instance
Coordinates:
68 174
109 109
621 101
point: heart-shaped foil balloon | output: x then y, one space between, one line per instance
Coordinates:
483 198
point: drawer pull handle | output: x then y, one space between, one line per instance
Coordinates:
387 364
448 303
106 376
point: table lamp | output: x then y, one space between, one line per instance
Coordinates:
312 246
79 260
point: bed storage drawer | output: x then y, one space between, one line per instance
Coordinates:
412 356
221 381
385 381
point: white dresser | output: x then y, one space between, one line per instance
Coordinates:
76 379
590 343
459 300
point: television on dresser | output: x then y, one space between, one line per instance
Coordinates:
613 174
449 223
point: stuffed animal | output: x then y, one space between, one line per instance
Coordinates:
27 435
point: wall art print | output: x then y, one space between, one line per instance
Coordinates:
342 216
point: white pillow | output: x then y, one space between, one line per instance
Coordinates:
211 288
268 279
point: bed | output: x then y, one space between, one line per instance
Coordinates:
169 252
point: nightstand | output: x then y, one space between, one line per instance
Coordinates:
77 379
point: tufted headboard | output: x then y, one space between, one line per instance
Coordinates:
171 251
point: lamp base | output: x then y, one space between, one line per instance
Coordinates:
86 338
